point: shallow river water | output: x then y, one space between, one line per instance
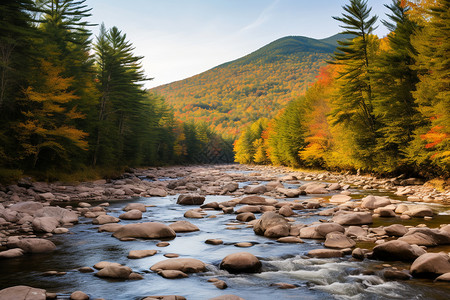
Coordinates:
315 278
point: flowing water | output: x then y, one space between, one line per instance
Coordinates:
341 278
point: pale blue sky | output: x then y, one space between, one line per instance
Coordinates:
181 38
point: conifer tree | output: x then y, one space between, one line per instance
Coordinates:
394 105
353 103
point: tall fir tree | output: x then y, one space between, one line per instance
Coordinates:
352 105
394 104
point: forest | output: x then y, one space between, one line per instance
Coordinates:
74 106
237 93
381 105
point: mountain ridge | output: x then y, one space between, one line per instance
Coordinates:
256 85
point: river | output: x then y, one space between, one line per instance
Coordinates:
334 278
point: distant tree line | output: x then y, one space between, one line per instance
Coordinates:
381 105
70 102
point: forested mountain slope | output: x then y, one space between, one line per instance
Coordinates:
257 85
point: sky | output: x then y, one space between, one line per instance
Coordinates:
182 38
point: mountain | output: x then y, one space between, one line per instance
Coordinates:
257 85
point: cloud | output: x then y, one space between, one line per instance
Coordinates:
263 17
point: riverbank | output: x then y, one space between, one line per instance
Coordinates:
35 216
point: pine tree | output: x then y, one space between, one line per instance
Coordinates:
394 105
353 102
430 149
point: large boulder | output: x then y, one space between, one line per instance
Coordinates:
190 199
115 271
22 292
61 214
183 226
431 265
28 207
338 240
186 265
45 224
36 245
373 202
352 218
241 262
397 250
426 237
272 225
418 211
147 230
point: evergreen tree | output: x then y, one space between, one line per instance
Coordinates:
394 105
353 102
430 149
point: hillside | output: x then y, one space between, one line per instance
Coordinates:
257 85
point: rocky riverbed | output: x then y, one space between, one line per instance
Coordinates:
246 231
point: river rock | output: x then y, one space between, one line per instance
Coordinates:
214 242
397 250
165 297
131 206
386 212
241 262
157 192
183 226
79 295
28 207
396 275
193 214
105 219
340 199
272 225
104 264
133 214
45 224
257 200
426 237
286 211
315 188
352 218
373 202
245 217
289 193
186 265
419 211
290 239
172 274
255 189
35 245
61 214
114 271
190 199
249 208
22 292
338 240
325 228
11 253
325 253
229 188
147 230
355 232
110 227
136 254
431 265
227 297
443 277
396 230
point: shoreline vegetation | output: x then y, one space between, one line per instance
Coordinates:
73 106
